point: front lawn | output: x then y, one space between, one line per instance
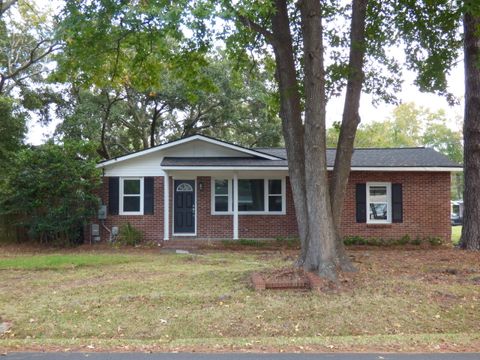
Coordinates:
407 300
456 234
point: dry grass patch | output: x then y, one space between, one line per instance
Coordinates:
173 300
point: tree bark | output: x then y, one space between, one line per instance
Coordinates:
291 115
471 129
321 232
350 122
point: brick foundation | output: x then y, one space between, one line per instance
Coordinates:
426 212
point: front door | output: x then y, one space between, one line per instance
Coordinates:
184 207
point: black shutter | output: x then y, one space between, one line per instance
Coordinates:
113 196
361 203
148 196
397 203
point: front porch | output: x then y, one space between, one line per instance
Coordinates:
216 205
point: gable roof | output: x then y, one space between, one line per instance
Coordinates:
368 159
207 139
402 159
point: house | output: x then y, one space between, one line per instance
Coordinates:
203 188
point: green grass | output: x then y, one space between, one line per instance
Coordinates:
456 233
170 301
63 261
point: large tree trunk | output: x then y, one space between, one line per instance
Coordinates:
321 233
291 115
471 132
350 121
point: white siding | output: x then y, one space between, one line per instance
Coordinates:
199 148
149 164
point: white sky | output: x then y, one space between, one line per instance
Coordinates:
37 133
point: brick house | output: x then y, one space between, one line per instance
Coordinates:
203 188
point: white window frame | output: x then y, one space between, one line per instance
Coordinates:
266 195
122 195
229 195
388 185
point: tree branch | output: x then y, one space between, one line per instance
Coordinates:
5 5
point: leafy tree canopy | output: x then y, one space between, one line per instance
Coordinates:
50 190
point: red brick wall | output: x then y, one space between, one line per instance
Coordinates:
426 206
426 211
150 225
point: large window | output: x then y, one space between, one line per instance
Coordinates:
251 195
379 204
255 196
131 196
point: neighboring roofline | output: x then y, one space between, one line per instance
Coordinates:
186 140
266 168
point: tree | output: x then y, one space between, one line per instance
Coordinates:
238 105
471 129
50 190
295 33
12 130
410 125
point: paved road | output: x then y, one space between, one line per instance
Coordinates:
189 356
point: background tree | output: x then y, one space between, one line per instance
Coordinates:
471 129
410 126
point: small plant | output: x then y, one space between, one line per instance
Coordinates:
404 240
129 235
417 241
290 243
434 241
253 243
354 240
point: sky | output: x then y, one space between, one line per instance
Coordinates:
38 133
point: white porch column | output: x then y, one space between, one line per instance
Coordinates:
166 207
235 206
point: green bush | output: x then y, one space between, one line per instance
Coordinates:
404 240
291 243
129 235
50 190
434 241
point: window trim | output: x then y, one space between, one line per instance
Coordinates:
266 195
388 185
229 196
122 195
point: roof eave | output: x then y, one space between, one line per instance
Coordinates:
372 169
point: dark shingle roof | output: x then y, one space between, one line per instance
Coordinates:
388 157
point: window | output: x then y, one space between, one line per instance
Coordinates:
251 195
131 196
222 194
379 204
255 196
275 198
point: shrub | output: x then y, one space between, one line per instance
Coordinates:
404 240
434 241
50 189
291 243
129 235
